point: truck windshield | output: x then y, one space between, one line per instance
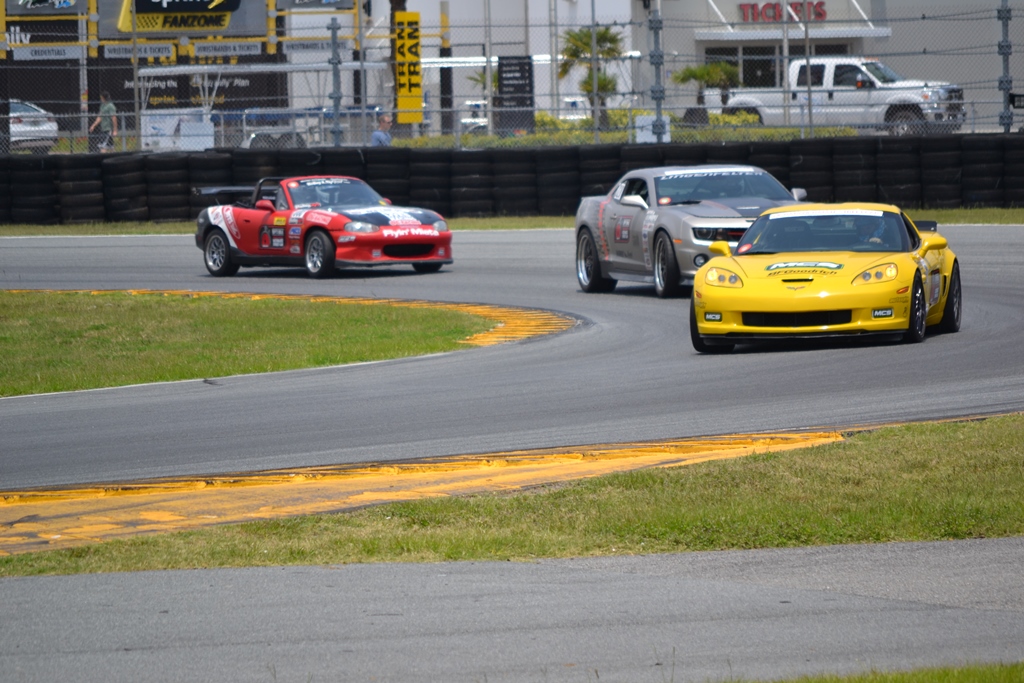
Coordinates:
882 72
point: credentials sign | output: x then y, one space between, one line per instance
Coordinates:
408 76
51 53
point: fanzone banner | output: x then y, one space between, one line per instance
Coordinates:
177 15
408 76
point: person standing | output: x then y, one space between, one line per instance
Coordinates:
107 122
381 137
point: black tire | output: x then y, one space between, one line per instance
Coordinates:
699 345
905 123
588 265
952 311
426 267
917 324
319 255
666 268
217 254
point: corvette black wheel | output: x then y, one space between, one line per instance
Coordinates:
319 254
217 255
918 314
951 312
698 342
666 268
588 265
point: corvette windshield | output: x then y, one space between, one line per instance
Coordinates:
840 230
322 192
682 188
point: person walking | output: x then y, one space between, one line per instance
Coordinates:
381 137
107 122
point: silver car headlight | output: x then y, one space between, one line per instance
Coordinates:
361 226
704 233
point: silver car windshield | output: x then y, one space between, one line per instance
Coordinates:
690 188
321 192
798 231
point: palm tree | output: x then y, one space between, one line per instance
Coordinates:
577 52
722 75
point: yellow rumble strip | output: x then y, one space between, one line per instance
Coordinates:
43 519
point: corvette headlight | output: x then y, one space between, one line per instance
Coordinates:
720 277
886 272
441 226
361 226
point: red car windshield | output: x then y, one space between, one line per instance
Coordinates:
310 193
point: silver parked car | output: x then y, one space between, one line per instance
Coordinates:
32 127
656 224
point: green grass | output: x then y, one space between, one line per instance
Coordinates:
943 216
980 673
62 342
924 482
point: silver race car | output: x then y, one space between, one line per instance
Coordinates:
656 224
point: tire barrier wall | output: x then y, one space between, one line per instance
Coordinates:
933 172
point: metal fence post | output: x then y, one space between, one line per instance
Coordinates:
655 23
335 96
1005 82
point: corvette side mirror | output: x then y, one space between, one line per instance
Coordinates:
720 248
932 243
265 205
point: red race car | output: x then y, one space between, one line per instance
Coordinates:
320 222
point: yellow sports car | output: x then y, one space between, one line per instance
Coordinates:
826 270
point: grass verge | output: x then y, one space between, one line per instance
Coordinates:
943 216
63 342
922 482
980 673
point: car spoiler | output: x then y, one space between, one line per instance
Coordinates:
227 194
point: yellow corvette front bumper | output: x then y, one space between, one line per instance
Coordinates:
787 311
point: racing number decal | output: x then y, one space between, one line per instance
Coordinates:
622 228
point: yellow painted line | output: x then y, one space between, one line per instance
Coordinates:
511 323
44 519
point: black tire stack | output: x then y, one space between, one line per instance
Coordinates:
599 169
685 155
1013 170
299 162
898 171
854 169
941 172
249 165
339 161
515 182
207 169
638 156
167 182
728 153
772 157
34 190
430 179
810 167
5 191
387 171
983 168
472 186
124 188
80 188
558 181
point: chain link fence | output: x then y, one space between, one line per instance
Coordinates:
730 74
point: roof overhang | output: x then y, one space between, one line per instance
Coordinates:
719 35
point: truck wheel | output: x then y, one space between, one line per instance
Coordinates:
906 123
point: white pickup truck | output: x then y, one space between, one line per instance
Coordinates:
854 91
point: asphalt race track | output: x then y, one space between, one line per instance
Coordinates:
627 372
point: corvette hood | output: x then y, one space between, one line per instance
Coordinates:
807 267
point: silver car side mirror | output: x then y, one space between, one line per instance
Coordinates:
799 194
633 200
